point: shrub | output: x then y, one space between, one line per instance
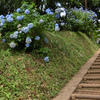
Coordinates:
75 19
25 27
81 20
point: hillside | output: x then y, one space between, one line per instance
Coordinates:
26 76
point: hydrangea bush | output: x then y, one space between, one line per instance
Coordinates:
25 27
76 19
81 20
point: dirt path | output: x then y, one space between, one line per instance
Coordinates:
70 87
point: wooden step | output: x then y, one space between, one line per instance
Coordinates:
90 75
93 91
89 85
93 72
95 67
85 96
96 63
97 60
92 78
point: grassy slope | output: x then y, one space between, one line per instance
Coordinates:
26 76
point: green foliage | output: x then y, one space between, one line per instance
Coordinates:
10 28
44 51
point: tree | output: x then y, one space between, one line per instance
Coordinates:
85 2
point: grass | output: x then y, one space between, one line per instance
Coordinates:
25 76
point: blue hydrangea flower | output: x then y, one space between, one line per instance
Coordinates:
56 25
18 18
28 40
57 28
22 17
12 45
16 32
41 21
20 31
58 16
62 24
30 25
2 17
1 25
25 29
46 59
7 16
48 10
51 13
11 15
3 21
3 40
27 45
37 38
58 10
15 35
11 36
18 10
46 40
9 19
27 11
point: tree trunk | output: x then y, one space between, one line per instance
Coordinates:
85 1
